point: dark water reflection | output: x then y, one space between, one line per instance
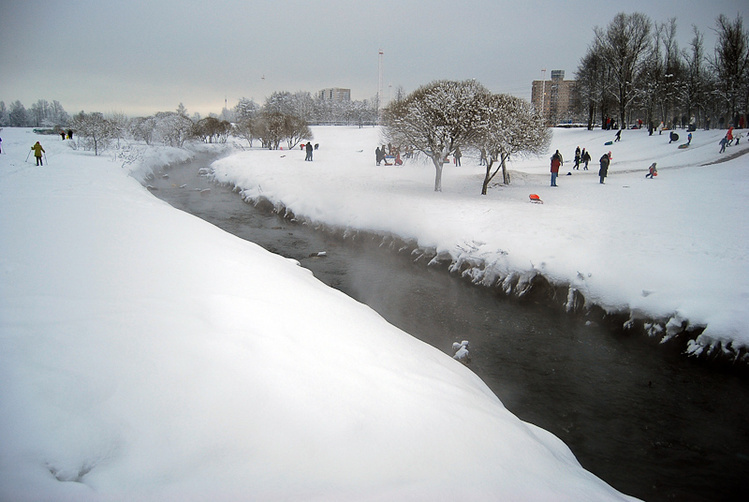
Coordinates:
649 422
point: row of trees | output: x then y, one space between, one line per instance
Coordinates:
634 69
41 114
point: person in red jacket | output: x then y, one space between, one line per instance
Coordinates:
556 161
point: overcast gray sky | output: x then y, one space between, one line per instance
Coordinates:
144 56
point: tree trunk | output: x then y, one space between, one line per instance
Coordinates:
487 178
437 172
505 174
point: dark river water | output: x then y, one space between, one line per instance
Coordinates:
648 421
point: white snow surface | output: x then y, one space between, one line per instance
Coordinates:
672 248
147 355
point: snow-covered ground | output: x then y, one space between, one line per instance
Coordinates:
672 249
147 355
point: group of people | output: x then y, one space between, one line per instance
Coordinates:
383 153
728 139
581 156
557 161
69 133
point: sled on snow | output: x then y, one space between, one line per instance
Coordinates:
608 143
685 145
535 199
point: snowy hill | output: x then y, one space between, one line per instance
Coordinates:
147 355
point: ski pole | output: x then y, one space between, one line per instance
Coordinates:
27 156
45 158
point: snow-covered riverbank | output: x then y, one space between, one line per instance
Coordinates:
147 355
670 250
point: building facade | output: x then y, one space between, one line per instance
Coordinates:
335 94
555 99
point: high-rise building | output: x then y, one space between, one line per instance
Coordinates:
335 94
555 98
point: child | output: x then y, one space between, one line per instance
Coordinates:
652 171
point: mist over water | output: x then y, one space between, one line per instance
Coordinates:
648 421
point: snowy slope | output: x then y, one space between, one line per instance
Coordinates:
147 355
671 249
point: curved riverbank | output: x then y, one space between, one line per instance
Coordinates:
669 332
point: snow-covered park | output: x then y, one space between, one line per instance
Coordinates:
669 250
147 355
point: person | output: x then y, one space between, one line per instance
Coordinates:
577 159
586 158
604 170
729 135
618 135
556 161
1 145
378 155
457 156
660 128
309 148
62 135
689 138
652 171
398 161
38 151
70 134
482 160
672 137
723 144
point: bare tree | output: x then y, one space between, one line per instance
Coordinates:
731 64
438 118
624 46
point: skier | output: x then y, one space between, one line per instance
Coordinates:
38 150
652 171
556 161
604 170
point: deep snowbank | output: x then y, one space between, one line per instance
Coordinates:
147 355
667 255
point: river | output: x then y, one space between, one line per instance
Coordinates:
648 421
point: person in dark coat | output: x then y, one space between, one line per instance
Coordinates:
604 170
585 157
309 148
577 159
618 136
556 162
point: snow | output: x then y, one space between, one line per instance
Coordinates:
671 249
147 355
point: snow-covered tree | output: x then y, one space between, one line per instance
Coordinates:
93 130
18 117
142 129
438 118
173 128
512 127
